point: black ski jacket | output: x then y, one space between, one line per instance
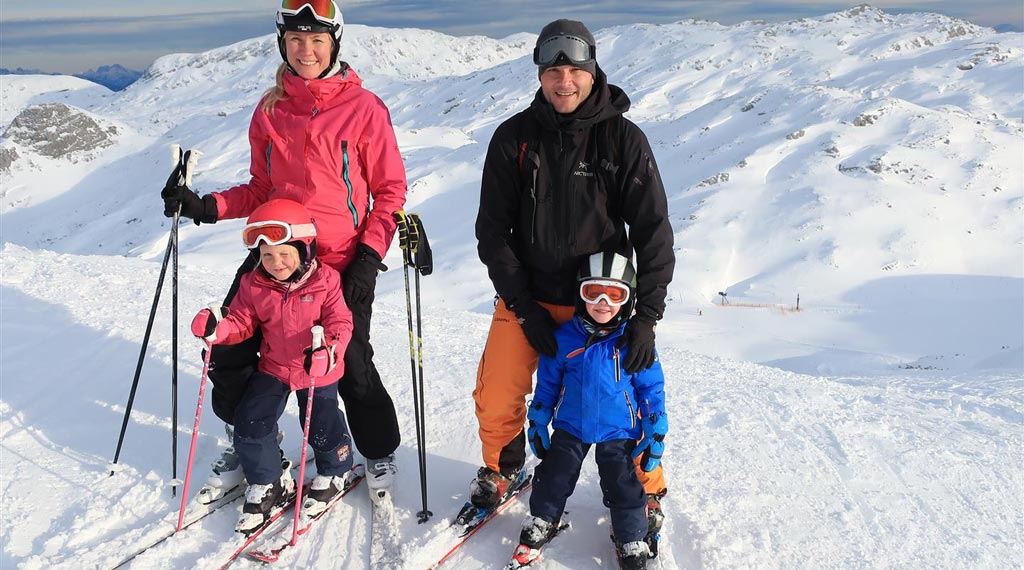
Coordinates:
534 231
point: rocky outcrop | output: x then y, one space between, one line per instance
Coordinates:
55 130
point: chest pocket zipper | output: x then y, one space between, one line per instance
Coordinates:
348 183
270 148
534 165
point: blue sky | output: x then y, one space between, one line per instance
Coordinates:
85 35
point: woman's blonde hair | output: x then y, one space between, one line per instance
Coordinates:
275 93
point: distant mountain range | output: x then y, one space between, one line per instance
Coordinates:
114 77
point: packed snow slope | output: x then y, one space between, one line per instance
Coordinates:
868 162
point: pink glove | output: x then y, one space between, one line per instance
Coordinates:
319 361
204 325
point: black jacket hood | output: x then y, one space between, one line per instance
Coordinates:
605 101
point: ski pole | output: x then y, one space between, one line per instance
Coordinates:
318 341
420 246
142 351
215 308
174 355
406 241
190 159
184 165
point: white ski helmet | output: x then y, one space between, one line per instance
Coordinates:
607 266
317 16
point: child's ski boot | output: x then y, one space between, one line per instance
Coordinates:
262 500
535 534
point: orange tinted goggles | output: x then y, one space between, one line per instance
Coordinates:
322 9
613 292
273 232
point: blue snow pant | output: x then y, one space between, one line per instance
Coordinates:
256 429
555 478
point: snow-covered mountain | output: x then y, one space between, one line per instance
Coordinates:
114 77
868 162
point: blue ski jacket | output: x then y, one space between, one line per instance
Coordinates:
594 398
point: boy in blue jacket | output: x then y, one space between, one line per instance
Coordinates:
592 400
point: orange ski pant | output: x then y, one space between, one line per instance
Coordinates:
504 379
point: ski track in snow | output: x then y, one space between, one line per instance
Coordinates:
767 468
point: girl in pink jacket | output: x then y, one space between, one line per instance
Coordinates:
289 293
318 138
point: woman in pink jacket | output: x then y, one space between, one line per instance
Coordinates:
289 293
318 138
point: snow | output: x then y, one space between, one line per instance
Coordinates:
866 161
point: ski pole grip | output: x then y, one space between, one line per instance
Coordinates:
191 160
318 336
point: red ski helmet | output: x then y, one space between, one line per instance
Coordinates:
281 221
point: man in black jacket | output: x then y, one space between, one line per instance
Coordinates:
562 180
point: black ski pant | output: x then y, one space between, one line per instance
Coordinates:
371 412
555 479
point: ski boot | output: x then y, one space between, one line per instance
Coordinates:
491 488
488 492
380 476
262 500
322 491
632 555
226 473
535 534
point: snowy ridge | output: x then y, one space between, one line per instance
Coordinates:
866 161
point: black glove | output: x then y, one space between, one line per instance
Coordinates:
192 206
538 326
639 335
360 277
177 193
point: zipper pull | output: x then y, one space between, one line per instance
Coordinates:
616 358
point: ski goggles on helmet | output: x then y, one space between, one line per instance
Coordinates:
323 10
614 293
272 232
576 50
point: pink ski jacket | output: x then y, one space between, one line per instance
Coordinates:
285 312
330 146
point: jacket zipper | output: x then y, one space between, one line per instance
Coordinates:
565 200
533 218
270 148
618 375
632 412
348 183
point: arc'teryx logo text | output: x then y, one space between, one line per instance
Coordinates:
582 169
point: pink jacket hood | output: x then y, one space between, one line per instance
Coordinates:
330 146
